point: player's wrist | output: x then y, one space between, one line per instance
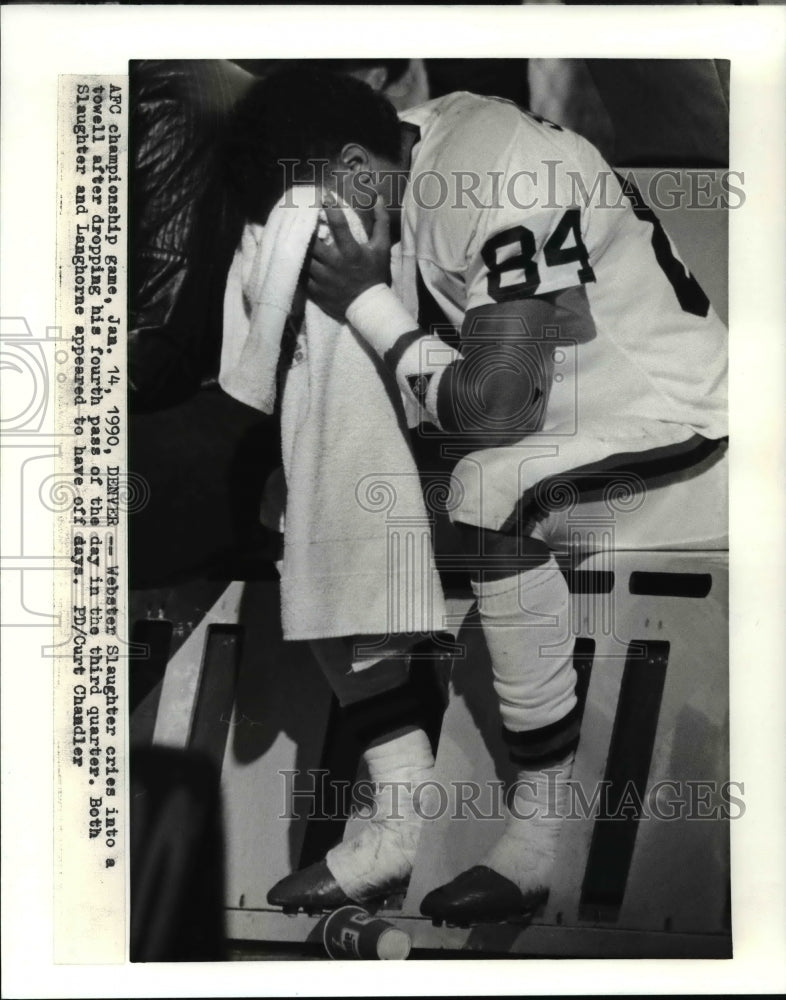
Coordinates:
380 318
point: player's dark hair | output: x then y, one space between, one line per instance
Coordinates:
303 116
394 68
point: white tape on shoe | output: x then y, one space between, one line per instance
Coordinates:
382 853
526 851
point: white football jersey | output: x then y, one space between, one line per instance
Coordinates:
502 206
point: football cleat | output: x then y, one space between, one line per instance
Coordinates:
312 889
480 896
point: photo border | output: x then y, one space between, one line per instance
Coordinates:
42 41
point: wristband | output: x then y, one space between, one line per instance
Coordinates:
418 359
421 369
380 318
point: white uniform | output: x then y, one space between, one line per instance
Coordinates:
502 206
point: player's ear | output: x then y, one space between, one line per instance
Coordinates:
355 157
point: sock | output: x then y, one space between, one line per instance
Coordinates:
526 627
417 704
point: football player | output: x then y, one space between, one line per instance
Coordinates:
578 328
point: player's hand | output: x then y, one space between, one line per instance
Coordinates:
339 273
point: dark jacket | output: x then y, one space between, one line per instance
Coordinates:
183 230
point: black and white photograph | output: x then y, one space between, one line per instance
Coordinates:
427 373
392 499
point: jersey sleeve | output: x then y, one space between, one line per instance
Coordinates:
531 237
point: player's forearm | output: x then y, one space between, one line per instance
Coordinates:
494 396
418 359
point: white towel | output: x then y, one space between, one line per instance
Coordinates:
357 547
